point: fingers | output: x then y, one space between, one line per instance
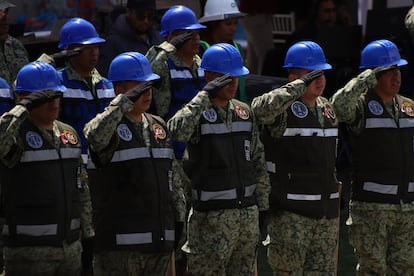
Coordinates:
224 80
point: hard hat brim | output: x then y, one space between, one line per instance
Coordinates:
196 26
217 17
401 62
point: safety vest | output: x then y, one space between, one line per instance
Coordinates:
80 105
219 165
41 192
131 195
383 154
6 99
301 163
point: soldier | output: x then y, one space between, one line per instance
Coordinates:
13 55
299 136
46 198
134 187
226 166
382 129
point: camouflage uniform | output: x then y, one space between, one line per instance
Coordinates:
41 260
381 233
13 56
158 55
224 241
100 132
299 243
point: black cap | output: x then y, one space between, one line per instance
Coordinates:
141 5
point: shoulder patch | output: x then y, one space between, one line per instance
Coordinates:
69 136
242 112
34 140
375 107
299 109
210 115
407 108
159 132
124 132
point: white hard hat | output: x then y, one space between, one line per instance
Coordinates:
219 10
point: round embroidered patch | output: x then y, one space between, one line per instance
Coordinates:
210 115
34 140
159 132
242 112
299 109
124 132
375 107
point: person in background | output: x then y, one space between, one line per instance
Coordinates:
221 18
381 126
135 194
45 197
258 28
87 94
132 31
13 55
229 182
299 135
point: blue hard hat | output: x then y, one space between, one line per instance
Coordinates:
78 31
223 58
38 76
131 66
306 55
381 53
179 18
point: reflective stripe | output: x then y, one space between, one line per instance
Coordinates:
207 195
135 238
270 167
200 72
406 122
49 154
380 188
162 153
304 197
105 93
77 94
37 230
328 132
5 93
249 190
380 123
169 235
222 128
410 187
84 158
5 231
90 164
334 195
74 224
180 74
129 154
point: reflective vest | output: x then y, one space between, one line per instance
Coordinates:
6 97
184 87
383 154
80 105
301 163
41 192
131 195
219 165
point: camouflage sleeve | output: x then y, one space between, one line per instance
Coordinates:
86 205
100 130
178 196
158 56
185 122
270 105
10 122
259 165
409 20
346 100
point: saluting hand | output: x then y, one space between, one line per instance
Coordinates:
214 86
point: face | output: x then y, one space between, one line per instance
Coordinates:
225 30
141 21
143 103
4 22
192 46
389 83
45 113
326 13
87 59
315 88
227 92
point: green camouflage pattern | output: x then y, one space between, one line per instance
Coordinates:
122 263
100 132
12 57
223 242
43 260
158 56
382 235
184 127
302 246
